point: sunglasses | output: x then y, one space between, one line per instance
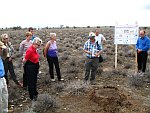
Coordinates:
5 38
38 45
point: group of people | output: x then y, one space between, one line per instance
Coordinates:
30 58
93 50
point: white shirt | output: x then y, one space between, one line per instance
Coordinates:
100 38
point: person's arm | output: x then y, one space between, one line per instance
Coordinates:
103 38
137 44
88 52
85 50
21 47
146 47
46 48
12 51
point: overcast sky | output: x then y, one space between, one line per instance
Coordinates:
42 13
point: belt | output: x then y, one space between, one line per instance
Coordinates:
91 58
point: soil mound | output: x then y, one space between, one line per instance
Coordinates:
110 99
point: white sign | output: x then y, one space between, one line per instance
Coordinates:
126 34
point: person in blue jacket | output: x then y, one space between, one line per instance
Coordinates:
142 47
3 85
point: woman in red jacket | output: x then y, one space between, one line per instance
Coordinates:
31 61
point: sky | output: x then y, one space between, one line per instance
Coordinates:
79 13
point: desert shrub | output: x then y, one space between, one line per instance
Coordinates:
73 62
28 110
67 45
72 69
136 81
63 57
128 66
59 87
78 39
78 45
62 49
45 103
77 88
99 70
13 94
118 72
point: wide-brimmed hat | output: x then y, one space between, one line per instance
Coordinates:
91 35
2 45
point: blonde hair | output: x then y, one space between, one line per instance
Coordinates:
3 36
28 34
37 40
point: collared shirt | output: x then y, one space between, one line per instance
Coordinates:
2 71
33 37
24 45
32 54
143 43
93 48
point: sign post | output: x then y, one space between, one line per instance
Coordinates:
125 34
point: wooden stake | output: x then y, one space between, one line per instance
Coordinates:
115 56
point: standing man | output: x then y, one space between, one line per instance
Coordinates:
93 51
142 47
3 85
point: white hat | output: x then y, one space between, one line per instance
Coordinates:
91 35
2 45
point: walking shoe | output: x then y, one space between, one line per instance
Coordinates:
53 80
61 79
40 72
142 74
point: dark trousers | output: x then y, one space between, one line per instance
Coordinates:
32 70
142 60
91 66
24 78
53 61
8 65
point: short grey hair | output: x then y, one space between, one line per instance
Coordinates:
52 34
37 40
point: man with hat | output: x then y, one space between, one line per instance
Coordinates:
93 51
3 85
